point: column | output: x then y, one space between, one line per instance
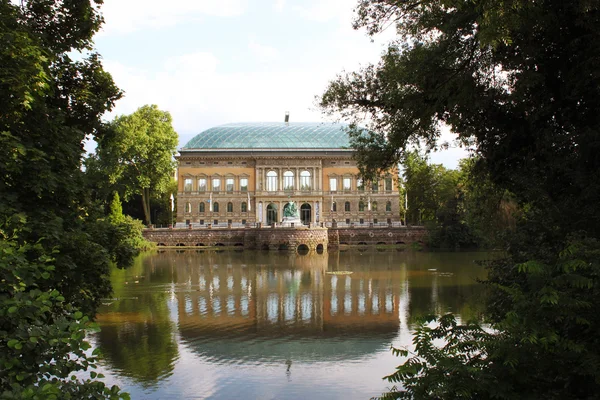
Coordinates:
280 179
297 180
320 173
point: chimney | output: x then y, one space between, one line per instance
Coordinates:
287 118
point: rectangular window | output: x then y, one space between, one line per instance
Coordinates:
202 185
362 221
229 184
360 185
375 186
244 184
333 184
347 184
187 185
201 222
230 221
288 180
374 220
216 185
305 181
216 222
388 184
347 221
243 222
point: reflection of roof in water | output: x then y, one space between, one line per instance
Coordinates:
273 347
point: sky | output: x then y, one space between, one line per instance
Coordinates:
212 62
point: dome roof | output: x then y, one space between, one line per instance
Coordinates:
272 135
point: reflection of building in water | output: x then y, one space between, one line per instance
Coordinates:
284 299
288 304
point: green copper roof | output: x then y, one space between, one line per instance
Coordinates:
272 135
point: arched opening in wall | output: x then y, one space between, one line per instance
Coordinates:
400 243
271 214
239 247
239 244
320 249
344 243
381 243
362 243
305 213
180 245
265 246
303 249
282 246
219 245
160 244
200 244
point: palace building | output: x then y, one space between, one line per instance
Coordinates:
247 173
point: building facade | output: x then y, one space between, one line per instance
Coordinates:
242 174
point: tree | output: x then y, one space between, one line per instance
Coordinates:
517 80
138 154
52 271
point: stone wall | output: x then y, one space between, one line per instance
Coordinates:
248 238
285 238
376 235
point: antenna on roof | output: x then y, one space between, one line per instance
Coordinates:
287 118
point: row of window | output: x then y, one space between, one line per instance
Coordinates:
361 206
216 185
272 184
215 207
360 185
244 206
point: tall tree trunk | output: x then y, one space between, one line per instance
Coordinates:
146 205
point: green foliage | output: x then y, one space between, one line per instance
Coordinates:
115 211
137 155
52 269
518 82
436 199
42 335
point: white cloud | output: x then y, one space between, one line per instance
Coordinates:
326 10
279 4
123 16
262 53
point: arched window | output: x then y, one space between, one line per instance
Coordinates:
360 185
272 181
288 180
230 207
188 207
216 207
388 206
361 206
244 206
201 207
305 181
347 206
334 206
374 206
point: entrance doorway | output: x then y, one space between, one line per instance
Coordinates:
271 214
305 213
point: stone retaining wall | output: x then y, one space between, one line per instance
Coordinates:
285 238
379 235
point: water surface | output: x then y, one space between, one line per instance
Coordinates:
266 325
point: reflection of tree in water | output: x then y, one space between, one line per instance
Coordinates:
136 337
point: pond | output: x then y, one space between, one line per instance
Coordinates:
265 325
